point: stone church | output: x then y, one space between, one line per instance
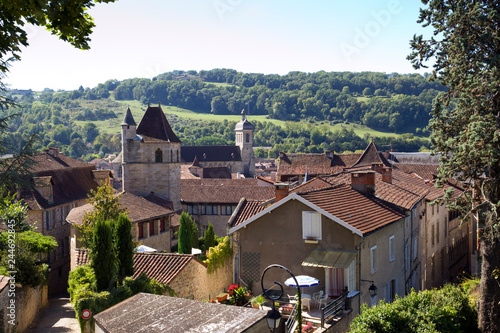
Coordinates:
152 155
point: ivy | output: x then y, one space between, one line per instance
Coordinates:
217 255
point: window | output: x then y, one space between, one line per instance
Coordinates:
193 209
437 232
162 225
151 228
432 234
311 225
415 248
209 210
391 290
158 156
373 258
140 231
54 218
227 210
247 138
47 219
392 249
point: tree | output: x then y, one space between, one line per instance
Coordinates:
209 239
194 235
466 122
124 246
106 207
185 233
103 255
90 132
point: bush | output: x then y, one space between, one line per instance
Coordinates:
445 310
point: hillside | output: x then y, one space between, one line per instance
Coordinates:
297 112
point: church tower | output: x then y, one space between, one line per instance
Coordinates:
151 156
244 140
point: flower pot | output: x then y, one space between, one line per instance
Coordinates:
221 298
311 241
230 292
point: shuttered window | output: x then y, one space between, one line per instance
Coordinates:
311 225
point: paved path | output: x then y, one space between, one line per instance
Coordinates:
57 317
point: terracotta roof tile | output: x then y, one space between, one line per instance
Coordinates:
371 155
246 211
425 171
223 190
138 208
364 213
315 164
163 267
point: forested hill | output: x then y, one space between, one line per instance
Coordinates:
397 103
320 109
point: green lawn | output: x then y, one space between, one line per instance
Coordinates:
112 126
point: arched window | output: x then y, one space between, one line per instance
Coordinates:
158 156
248 137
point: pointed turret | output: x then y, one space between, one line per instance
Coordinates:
129 119
370 156
154 126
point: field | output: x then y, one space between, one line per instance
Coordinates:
112 126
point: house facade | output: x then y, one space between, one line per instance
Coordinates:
61 183
345 239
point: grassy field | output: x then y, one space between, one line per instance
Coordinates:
112 126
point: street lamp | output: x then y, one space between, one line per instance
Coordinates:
273 316
372 289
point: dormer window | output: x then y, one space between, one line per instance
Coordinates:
248 137
158 156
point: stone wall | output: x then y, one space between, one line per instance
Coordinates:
219 280
28 301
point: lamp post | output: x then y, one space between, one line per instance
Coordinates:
273 316
372 289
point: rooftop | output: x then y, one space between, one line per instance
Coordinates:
154 126
153 313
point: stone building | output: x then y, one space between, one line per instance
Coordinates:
151 156
61 184
238 158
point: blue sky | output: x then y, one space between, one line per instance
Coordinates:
143 38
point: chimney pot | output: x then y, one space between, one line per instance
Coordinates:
53 151
363 182
281 191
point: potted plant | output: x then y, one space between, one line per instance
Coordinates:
239 296
222 297
231 289
257 301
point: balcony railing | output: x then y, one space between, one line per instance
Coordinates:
333 309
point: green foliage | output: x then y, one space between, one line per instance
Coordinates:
209 237
445 310
19 258
103 255
218 255
465 122
194 235
124 246
13 210
185 233
34 241
106 207
82 286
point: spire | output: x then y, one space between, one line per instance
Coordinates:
128 119
306 176
243 115
155 125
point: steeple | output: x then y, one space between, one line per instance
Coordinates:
128 119
154 126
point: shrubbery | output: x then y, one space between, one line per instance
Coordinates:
445 310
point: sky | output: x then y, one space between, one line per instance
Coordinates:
144 38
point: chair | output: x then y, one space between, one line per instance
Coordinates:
292 298
306 303
317 295
322 300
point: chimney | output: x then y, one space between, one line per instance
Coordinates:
330 154
377 167
280 191
53 151
363 182
43 185
387 175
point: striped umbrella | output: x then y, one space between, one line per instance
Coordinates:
303 280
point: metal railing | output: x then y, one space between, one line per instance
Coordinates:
290 323
333 309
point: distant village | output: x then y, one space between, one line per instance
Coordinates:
368 226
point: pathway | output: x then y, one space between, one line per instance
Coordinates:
57 317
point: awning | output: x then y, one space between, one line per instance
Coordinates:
330 258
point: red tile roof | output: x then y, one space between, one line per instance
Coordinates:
163 267
246 211
223 190
425 171
371 155
364 213
316 164
138 208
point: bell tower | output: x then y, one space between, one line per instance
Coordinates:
244 140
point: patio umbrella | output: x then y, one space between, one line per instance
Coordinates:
303 280
144 248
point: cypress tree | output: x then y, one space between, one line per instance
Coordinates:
185 233
103 255
124 246
194 235
209 237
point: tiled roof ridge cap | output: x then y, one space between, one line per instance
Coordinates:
324 189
